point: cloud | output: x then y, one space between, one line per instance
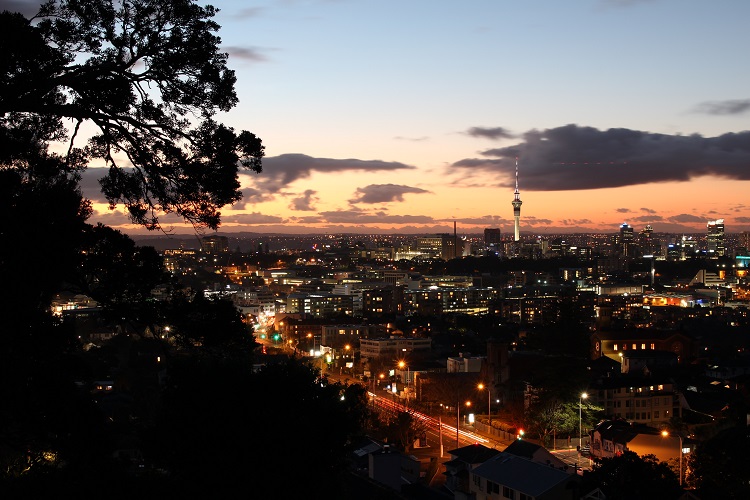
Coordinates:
490 133
384 193
649 218
246 53
411 139
682 218
247 13
486 220
623 210
305 202
90 186
573 222
575 158
363 217
730 107
281 171
251 218
648 210
532 221
742 220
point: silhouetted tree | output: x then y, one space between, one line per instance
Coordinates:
404 429
226 429
208 322
630 476
144 78
718 466
141 73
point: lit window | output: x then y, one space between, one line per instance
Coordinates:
653 346
614 347
643 346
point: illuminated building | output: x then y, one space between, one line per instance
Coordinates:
626 240
215 244
390 347
715 238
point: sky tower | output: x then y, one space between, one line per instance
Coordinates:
517 208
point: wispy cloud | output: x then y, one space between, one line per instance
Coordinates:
412 139
246 53
378 217
490 132
248 12
649 218
730 107
252 218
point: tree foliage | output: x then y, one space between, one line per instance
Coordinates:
148 77
718 465
225 428
404 429
630 476
209 322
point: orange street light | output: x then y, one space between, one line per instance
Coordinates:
580 420
666 434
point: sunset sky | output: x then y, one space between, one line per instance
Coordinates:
401 116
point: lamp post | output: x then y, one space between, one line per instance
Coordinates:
401 365
458 418
666 434
489 403
580 426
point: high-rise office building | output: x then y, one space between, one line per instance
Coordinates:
647 242
492 236
517 209
715 238
626 240
439 246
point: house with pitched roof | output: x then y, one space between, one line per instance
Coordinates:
508 476
459 467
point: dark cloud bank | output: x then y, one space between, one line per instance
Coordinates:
574 157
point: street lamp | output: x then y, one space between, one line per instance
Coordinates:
666 434
580 431
402 364
489 403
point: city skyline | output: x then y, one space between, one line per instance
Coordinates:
397 118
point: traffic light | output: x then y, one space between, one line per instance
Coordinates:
276 337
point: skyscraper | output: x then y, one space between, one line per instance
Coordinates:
647 240
626 240
715 238
517 208
492 236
